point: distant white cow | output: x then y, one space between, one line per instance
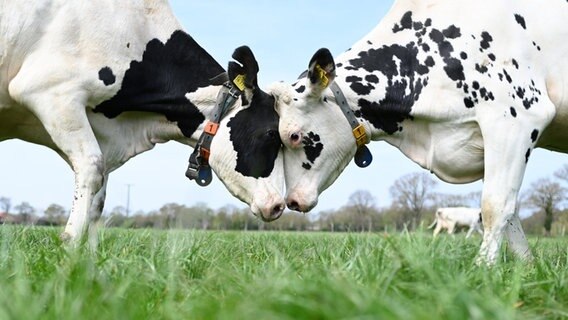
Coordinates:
450 218
100 82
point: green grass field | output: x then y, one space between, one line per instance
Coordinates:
136 274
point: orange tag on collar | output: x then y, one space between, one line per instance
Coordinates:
205 153
211 128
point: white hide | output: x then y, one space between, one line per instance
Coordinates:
450 218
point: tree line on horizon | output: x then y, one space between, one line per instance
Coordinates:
414 202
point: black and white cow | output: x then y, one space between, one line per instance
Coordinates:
102 81
466 89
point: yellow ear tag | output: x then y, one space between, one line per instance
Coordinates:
239 81
324 80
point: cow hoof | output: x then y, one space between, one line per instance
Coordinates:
526 257
66 238
484 261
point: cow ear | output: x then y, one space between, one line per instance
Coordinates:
243 72
321 71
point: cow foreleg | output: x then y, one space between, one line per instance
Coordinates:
498 210
516 238
86 203
499 200
69 128
90 192
508 142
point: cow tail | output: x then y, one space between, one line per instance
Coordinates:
437 216
433 224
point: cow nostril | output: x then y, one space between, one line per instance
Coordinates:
295 137
293 205
277 211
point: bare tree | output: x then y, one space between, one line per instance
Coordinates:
326 220
451 200
472 199
411 193
475 198
562 173
117 217
362 203
118 211
545 195
5 204
170 212
55 214
26 211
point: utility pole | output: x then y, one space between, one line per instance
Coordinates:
128 199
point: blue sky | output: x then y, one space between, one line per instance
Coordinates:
283 36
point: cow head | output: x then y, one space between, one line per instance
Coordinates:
180 80
318 140
246 152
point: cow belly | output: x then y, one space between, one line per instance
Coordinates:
18 123
555 136
456 152
458 164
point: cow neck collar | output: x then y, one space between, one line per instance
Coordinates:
198 168
363 156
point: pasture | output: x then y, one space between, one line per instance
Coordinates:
145 274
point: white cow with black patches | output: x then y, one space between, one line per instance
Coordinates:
102 81
466 89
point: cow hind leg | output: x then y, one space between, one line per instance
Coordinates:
437 229
470 231
451 228
95 213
